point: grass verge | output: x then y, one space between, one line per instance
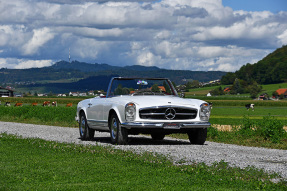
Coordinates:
34 164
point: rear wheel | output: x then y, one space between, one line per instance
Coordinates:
197 136
157 136
86 133
119 134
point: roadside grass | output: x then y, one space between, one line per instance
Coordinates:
55 116
35 164
266 132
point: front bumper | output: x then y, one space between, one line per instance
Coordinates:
171 125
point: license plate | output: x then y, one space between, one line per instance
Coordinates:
171 126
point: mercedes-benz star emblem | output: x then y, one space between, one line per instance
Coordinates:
169 113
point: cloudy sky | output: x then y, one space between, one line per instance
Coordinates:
199 35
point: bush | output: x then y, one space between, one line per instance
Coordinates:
212 132
268 128
271 128
247 127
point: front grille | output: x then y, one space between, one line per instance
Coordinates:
168 113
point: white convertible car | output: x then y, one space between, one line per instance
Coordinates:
149 106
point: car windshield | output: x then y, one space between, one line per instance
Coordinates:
135 87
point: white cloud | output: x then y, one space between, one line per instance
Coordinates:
146 59
23 63
283 37
33 64
172 34
40 37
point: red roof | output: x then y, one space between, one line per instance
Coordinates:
282 91
227 90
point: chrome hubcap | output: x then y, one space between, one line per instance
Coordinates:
83 125
114 128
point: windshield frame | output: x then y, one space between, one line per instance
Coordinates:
174 92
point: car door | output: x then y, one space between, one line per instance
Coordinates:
95 113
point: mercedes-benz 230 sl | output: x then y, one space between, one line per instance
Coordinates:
149 106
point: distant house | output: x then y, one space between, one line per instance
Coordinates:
91 93
282 91
162 88
82 94
227 89
41 95
74 94
264 96
6 92
61 95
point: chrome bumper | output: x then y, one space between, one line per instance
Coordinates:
131 125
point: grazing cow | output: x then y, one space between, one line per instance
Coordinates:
46 103
34 104
7 104
248 106
69 105
18 104
54 103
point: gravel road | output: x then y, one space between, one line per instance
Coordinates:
271 160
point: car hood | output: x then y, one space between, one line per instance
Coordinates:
151 101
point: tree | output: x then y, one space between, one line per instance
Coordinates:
237 87
228 78
254 89
155 88
217 91
167 88
275 94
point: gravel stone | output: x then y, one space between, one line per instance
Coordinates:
270 160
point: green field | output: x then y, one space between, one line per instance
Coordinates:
34 164
233 115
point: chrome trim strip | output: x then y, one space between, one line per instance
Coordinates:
97 121
168 106
164 114
130 125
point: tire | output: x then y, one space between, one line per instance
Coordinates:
119 135
157 136
86 133
197 136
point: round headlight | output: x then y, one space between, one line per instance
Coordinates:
130 111
204 113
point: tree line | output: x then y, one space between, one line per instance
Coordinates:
270 70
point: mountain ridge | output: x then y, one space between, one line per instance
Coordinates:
66 76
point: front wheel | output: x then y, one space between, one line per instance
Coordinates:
86 133
197 136
119 134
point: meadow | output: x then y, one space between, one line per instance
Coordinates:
233 115
34 164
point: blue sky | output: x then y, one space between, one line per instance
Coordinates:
198 35
274 6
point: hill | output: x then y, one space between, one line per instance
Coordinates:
271 69
63 77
